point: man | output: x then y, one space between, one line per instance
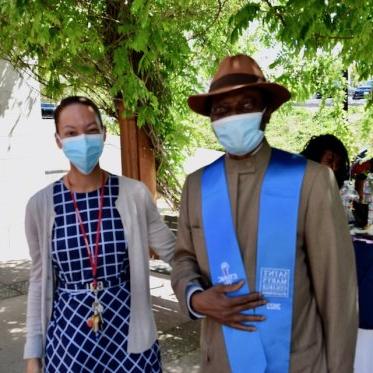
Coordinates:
263 253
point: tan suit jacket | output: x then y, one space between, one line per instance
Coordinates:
325 308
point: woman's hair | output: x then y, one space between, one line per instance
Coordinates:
318 145
71 100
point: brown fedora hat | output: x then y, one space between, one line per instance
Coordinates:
236 73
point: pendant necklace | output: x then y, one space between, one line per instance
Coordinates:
96 320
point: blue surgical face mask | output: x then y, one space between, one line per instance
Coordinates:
83 151
239 134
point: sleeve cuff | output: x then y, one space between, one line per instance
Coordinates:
190 290
33 347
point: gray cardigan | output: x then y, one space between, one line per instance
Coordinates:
143 228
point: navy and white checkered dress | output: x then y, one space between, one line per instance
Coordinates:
71 345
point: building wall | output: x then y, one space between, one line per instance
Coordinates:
29 156
19 111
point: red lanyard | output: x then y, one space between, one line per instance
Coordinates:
93 259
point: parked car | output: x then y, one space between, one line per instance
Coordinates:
318 95
47 110
363 90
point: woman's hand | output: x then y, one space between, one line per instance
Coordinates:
215 303
33 365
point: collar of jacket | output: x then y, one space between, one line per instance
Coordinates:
257 160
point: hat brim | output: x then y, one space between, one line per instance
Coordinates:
276 95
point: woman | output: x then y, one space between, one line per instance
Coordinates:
89 233
330 151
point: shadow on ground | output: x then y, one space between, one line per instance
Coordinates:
14 278
12 335
178 335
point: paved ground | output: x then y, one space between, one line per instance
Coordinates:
178 336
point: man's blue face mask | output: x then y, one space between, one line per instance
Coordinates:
239 134
83 151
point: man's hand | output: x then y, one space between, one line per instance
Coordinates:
33 365
226 310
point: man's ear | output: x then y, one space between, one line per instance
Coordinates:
58 140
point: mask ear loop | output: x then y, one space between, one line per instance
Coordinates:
262 124
57 136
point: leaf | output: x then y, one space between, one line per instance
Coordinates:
140 42
137 5
241 19
156 53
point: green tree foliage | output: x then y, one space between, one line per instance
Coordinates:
320 39
151 54
307 26
291 129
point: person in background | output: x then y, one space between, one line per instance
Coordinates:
329 151
89 234
360 171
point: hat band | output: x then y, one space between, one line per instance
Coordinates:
235 79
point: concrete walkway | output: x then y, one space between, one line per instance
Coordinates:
178 336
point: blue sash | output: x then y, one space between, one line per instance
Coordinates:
268 349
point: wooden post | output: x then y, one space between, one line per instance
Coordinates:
137 154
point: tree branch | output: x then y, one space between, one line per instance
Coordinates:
277 13
216 17
319 36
